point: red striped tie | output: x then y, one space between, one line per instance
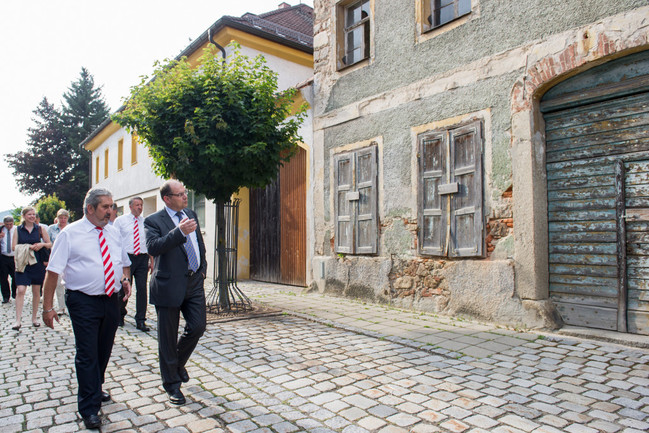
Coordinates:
109 272
136 238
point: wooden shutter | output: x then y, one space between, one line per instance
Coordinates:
355 201
432 206
365 226
343 184
466 205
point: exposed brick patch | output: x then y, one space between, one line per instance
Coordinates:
591 45
496 230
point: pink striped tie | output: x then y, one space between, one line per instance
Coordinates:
136 238
109 272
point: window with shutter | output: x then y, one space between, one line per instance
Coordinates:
355 201
353 32
450 192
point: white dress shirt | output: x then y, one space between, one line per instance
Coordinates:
125 224
3 241
76 256
192 236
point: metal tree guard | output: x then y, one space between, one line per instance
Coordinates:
236 301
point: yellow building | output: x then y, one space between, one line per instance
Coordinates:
272 236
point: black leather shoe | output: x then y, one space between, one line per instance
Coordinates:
184 376
5 301
121 322
176 397
92 421
142 327
105 397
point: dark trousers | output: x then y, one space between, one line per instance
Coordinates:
7 270
94 322
139 273
174 352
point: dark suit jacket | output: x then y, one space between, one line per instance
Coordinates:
164 241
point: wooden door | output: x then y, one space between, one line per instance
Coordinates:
597 145
265 233
293 220
278 226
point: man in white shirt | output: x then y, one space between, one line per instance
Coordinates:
7 265
90 257
61 222
131 226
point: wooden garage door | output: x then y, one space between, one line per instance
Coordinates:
593 281
278 226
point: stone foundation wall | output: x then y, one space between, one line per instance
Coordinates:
482 290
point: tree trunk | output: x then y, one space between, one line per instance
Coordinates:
224 298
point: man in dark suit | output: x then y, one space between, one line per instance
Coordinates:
174 239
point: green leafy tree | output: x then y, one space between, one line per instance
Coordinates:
53 162
41 168
47 207
17 213
216 128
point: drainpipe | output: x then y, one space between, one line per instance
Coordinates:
211 38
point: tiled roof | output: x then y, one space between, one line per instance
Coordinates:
291 22
289 25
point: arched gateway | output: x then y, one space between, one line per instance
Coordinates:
597 163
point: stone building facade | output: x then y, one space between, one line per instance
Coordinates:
429 155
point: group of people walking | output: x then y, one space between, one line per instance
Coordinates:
96 262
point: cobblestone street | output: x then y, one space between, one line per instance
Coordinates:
285 373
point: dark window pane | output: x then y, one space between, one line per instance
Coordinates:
444 11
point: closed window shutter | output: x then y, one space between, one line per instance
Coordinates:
433 207
366 206
343 176
466 205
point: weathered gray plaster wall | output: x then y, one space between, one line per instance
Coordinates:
499 26
395 127
477 68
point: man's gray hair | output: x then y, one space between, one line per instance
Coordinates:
8 219
132 199
93 197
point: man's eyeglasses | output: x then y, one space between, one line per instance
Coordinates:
180 194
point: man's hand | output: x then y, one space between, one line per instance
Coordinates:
126 285
48 318
187 225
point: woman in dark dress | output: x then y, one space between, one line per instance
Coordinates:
30 233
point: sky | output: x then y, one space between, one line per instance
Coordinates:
45 43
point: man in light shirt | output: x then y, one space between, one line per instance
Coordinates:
61 222
94 265
7 264
131 226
